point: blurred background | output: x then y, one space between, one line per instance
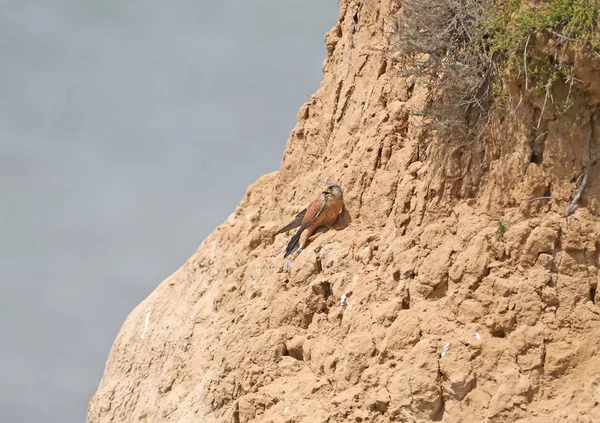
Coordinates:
128 131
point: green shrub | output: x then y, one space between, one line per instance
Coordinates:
465 49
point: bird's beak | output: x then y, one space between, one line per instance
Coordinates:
325 191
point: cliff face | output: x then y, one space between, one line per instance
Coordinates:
463 301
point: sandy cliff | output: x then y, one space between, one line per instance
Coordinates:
464 301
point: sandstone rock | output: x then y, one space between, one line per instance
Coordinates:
433 272
404 332
457 371
365 255
357 351
559 356
541 240
470 311
294 347
305 266
378 400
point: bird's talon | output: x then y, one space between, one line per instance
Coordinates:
296 254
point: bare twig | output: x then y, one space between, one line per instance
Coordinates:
579 193
578 179
538 198
562 37
520 100
572 79
548 86
540 136
525 61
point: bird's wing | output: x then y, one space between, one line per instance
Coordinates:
313 211
294 223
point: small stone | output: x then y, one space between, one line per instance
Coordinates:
294 347
252 217
365 255
379 400
549 296
414 168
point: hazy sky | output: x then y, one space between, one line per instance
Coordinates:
128 131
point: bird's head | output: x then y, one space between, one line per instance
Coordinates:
332 190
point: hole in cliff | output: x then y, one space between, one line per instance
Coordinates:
355 18
406 302
477 283
379 407
306 320
538 147
396 275
439 291
322 288
254 243
403 131
548 192
558 245
378 161
439 416
382 68
326 287
410 89
593 295
499 333
319 266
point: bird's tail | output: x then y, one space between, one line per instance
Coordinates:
294 223
287 227
294 243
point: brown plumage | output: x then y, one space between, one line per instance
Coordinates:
323 211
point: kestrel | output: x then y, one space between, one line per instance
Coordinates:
323 211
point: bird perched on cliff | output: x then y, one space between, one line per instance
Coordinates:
323 211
